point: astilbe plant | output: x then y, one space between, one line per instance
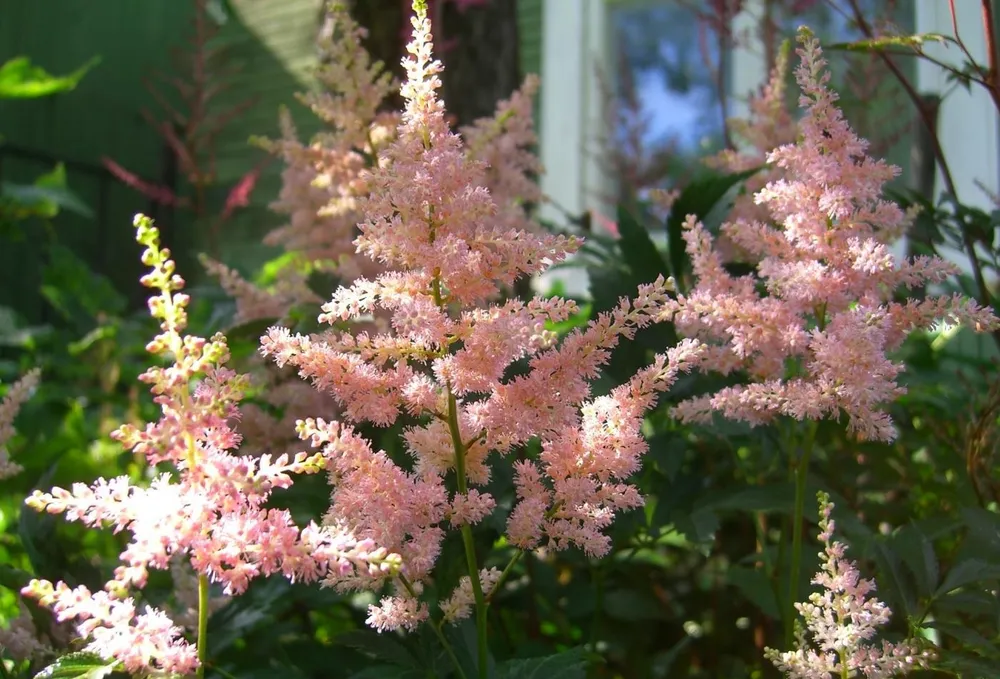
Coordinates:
208 510
448 252
813 327
841 621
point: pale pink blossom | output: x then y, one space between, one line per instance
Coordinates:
459 605
445 358
210 510
814 327
841 622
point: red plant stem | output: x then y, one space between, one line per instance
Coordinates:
989 28
985 298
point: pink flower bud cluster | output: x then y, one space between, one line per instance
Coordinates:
211 510
841 621
445 360
813 327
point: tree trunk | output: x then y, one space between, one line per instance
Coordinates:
478 45
482 56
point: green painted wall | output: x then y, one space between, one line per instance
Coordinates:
270 43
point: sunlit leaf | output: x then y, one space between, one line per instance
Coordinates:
20 79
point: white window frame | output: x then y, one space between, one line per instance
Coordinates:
968 121
576 47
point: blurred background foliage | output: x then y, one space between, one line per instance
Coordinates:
117 107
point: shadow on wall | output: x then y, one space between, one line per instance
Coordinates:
269 45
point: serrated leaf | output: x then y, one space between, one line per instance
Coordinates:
984 529
893 581
571 664
756 586
699 526
964 634
464 642
638 251
78 666
971 666
777 497
698 198
966 573
383 647
917 553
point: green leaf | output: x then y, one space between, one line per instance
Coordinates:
632 605
966 573
755 585
20 79
776 497
384 647
917 553
639 252
984 530
571 664
81 665
966 635
77 292
698 198
968 666
388 672
462 638
893 581
45 197
251 330
13 578
699 526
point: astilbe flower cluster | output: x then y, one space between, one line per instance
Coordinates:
841 621
322 183
448 251
209 510
813 326
17 394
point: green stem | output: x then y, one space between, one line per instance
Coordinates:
503 575
482 643
595 626
224 673
202 624
436 626
801 474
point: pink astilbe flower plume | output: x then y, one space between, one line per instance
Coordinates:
210 511
813 327
841 621
445 357
324 184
